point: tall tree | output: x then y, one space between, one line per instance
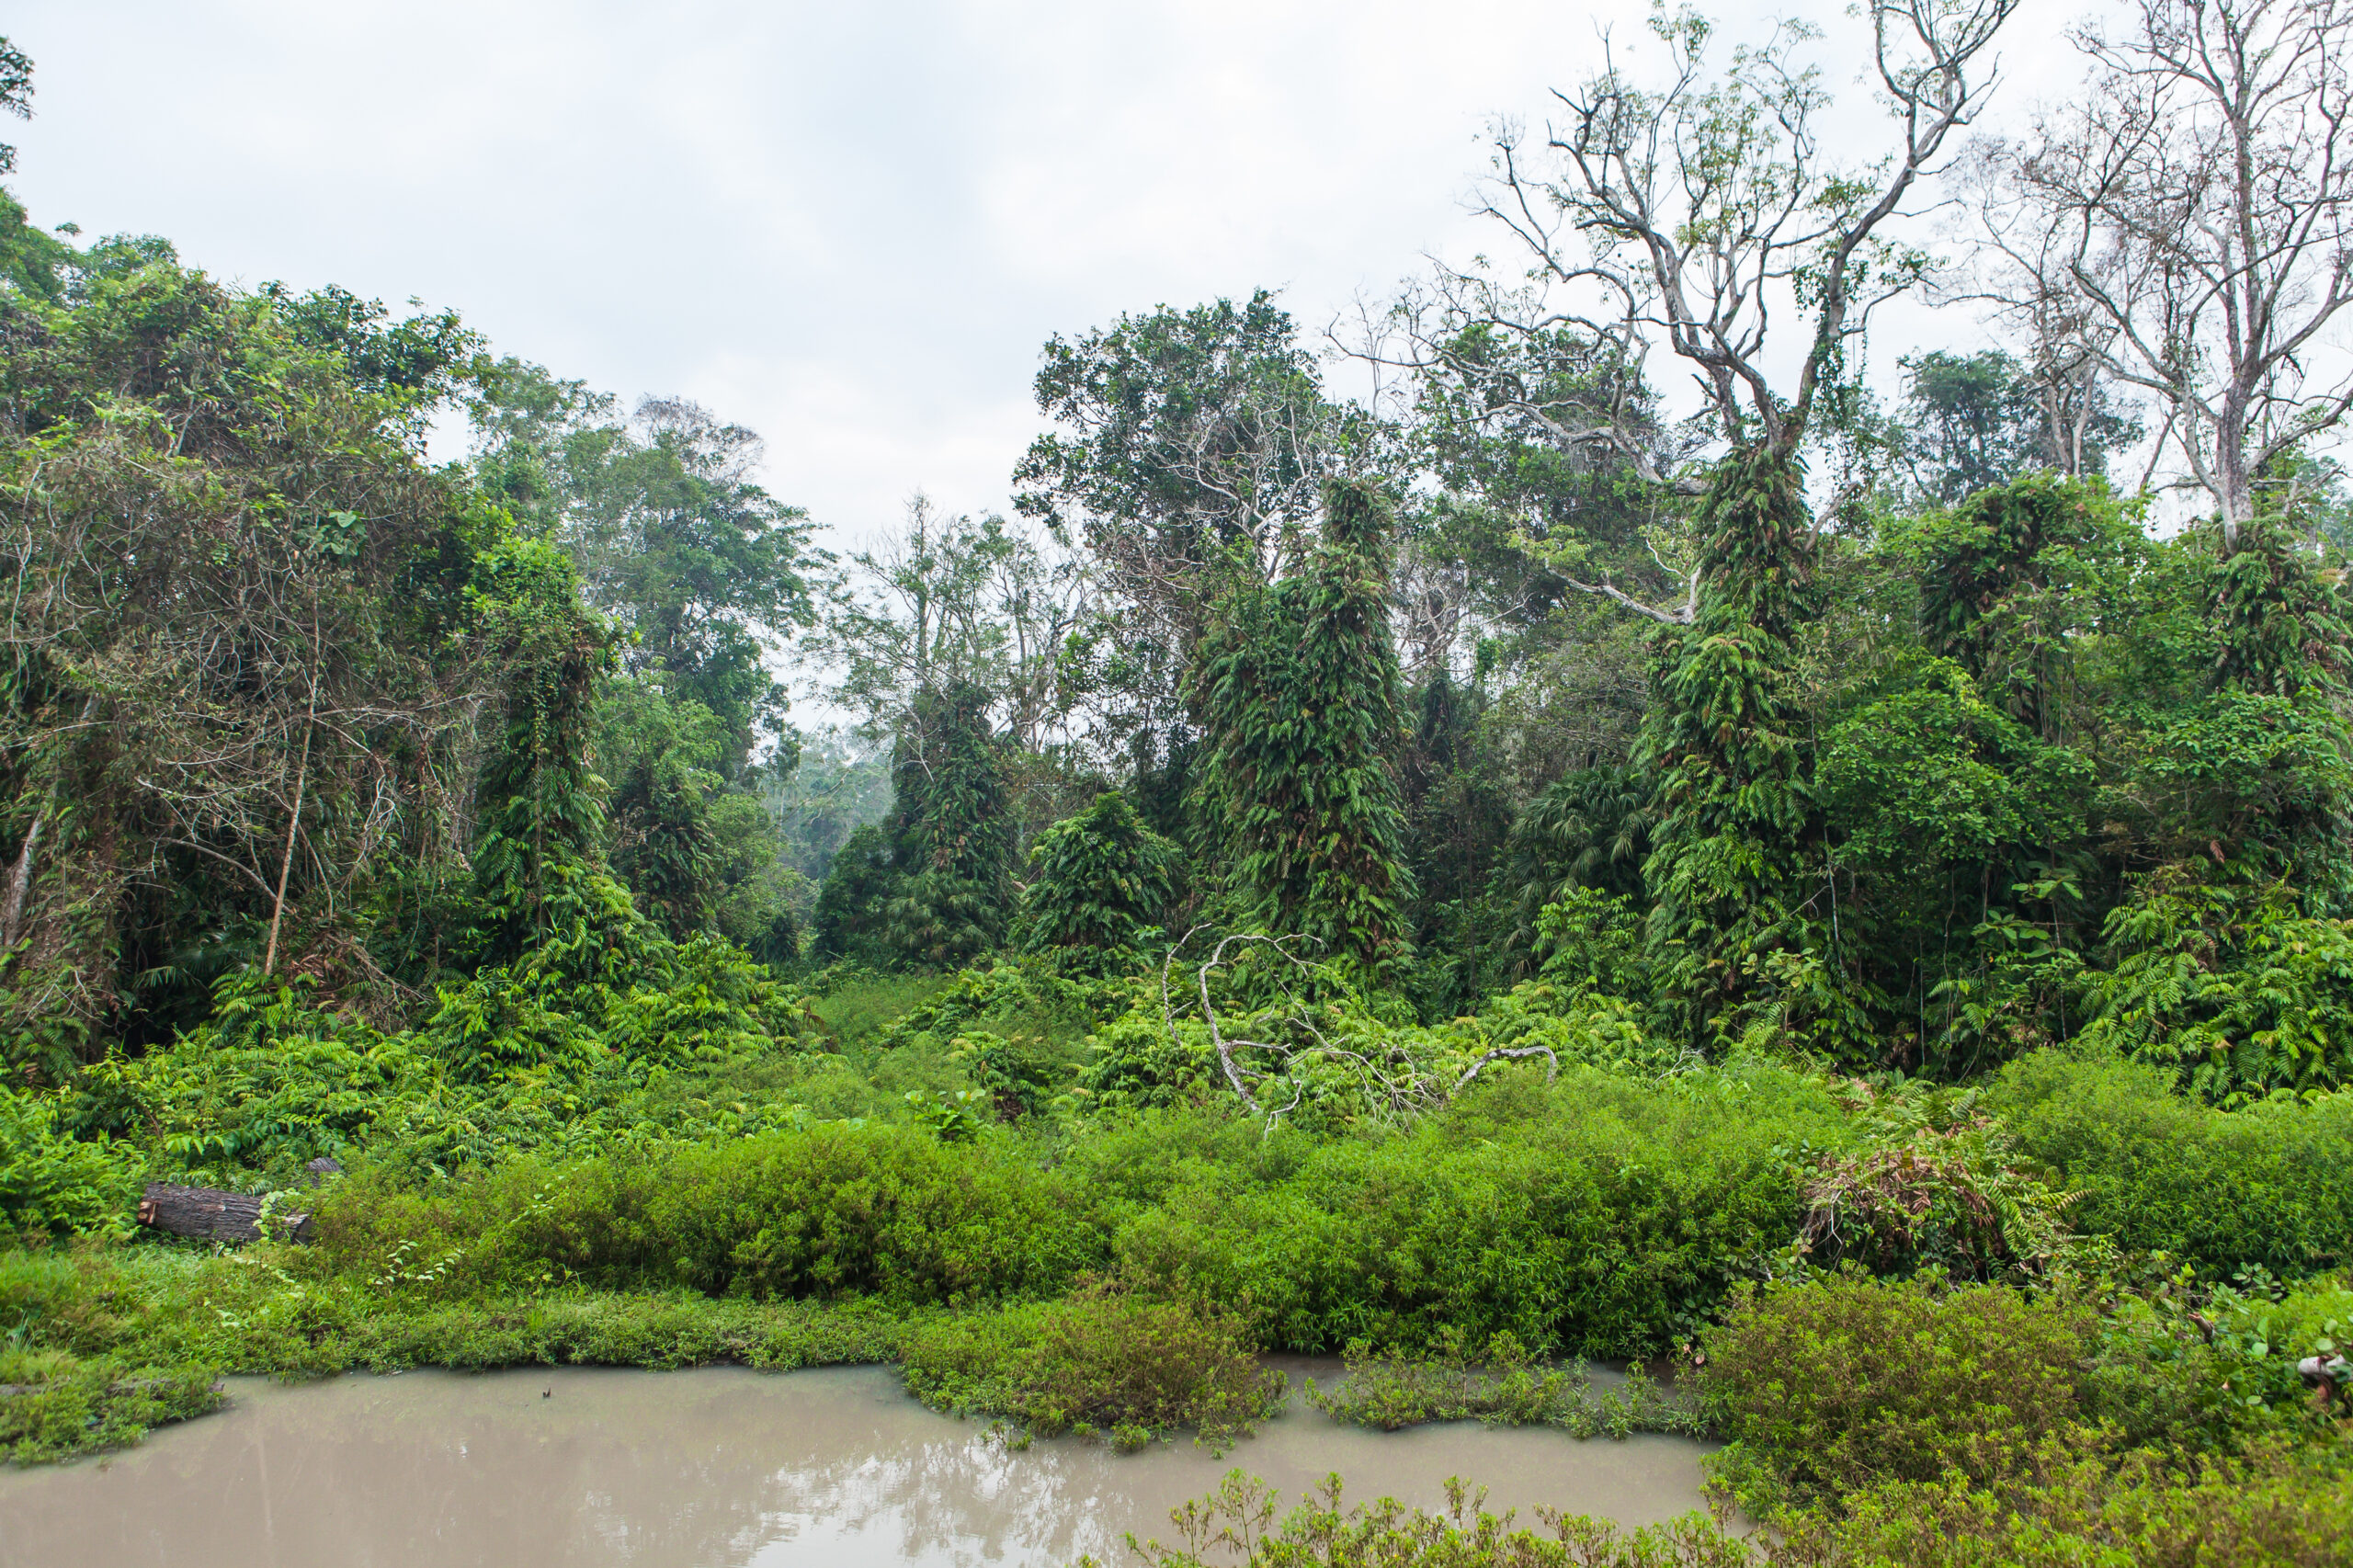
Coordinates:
674 537
244 646
1191 458
1973 421
1698 210
2194 213
1299 691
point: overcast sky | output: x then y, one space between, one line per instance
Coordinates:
849 226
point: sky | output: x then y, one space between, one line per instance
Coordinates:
847 226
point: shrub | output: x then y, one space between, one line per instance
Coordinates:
1939 1187
2184 1365
1828 1388
60 1410
63 1389
2062 1509
1598 1216
54 1184
1502 1388
1238 1519
1102 1361
832 1211
2268 1186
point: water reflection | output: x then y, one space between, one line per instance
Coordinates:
718 1466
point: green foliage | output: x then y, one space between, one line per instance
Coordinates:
2060 1507
1299 688
1236 1524
1830 1388
2268 1186
1503 1387
253 614
512 1060
847 923
1939 1187
52 1183
670 535
2008 576
2233 987
542 811
1589 829
1978 420
950 895
1592 942
1101 1361
1100 880
1600 1216
2279 623
832 1211
1737 826
64 1409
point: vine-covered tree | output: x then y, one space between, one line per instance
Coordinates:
1299 692
1099 882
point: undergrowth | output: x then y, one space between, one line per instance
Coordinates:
1501 1386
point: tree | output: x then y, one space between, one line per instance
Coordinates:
1700 207
950 832
674 538
31 261
952 601
15 94
1101 881
248 634
1974 421
1298 688
2192 214
1191 460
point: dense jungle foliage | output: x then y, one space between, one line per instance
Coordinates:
1846 904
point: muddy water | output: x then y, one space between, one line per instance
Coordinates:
719 1466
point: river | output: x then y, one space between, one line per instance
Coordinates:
589 1466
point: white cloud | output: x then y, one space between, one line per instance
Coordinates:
849 226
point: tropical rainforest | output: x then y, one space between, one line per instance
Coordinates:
1635 840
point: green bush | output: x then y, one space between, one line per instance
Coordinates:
1828 1388
2186 1365
1502 1387
54 1184
64 1409
1101 881
1103 1360
1237 1524
1598 1216
835 1211
2269 1187
2060 1507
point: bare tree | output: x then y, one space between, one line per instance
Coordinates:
1692 212
2185 226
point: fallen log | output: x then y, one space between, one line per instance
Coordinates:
209 1213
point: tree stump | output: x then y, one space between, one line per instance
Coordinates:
214 1215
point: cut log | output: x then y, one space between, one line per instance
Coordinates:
323 1167
214 1215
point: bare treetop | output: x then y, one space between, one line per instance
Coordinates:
1690 211
2185 223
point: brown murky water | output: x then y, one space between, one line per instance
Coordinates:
719 1466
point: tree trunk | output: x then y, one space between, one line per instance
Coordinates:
212 1214
20 880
